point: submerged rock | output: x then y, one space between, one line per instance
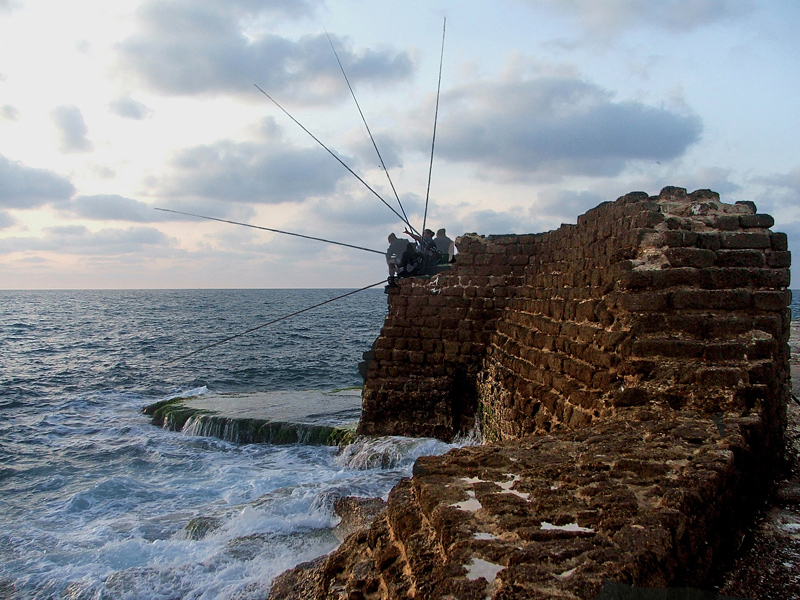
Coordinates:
200 527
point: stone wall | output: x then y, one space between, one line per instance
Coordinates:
676 300
631 372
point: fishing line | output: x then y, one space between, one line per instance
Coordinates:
433 142
300 235
283 318
364 119
333 154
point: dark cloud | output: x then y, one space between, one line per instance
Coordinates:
268 173
9 113
26 187
613 16
77 239
6 220
111 207
189 47
128 108
552 127
72 129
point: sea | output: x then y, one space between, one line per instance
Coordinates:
98 503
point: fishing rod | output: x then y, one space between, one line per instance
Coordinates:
300 235
333 154
283 318
435 120
364 119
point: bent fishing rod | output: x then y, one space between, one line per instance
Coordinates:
283 318
364 119
300 235
333 154
435 120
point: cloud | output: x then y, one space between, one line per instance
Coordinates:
565 204
26 187
552 127
128 108
113 207
614 16
781 197
9 6
790 180
188 47
6 220
77 239
259 172
72 129
9 113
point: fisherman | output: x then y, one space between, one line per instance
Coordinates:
425 245
445 246
411 262
394 255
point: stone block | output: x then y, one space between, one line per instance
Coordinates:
724 222
771 278
709 240
779 241
779 258
771 300
678 238
718 376
762 221
643 301
740 258
690 257
744 239
667 347
711 299
725 351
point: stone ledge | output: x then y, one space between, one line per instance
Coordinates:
629 500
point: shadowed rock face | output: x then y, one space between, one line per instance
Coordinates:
632 374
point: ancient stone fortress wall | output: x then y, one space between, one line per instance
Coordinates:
676 300
631 374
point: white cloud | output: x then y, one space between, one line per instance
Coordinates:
128 108
72 129
269 173
27 187
9 113
78 239
614 16
186 48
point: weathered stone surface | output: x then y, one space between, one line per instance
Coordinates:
649 498
632 377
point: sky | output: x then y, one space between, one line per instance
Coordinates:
109 110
